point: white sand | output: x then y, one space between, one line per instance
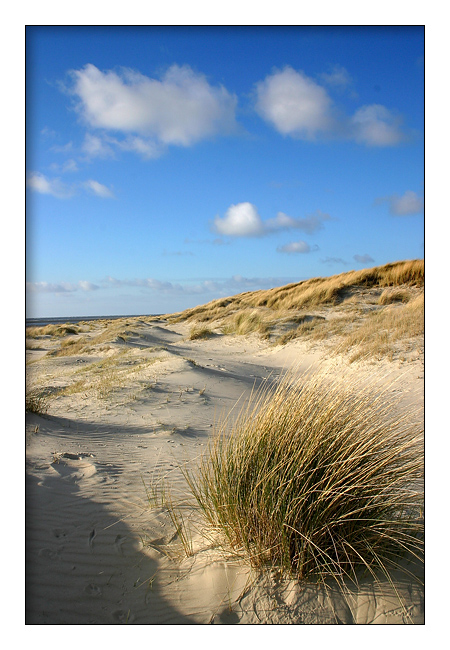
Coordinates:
97 553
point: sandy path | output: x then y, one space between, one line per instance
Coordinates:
96 553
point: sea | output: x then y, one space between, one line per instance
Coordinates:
42 322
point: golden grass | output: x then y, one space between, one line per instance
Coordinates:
53 330
394 295
377 335
311 293
245 322
318 478
36 401
198 332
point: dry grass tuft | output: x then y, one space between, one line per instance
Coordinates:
36 401
56 331
318 478
245 322
390 296
199 333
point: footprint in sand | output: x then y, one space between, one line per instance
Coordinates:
122 616
49 554
118 543
92 590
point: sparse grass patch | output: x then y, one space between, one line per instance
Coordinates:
376 335
199 332
36 401
318 478
69 347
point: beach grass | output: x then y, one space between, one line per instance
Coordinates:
199 332
311 293
36 401
316 478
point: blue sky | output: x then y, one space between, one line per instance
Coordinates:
169 166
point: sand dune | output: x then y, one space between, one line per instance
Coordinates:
127 412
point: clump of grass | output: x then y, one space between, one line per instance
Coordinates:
246 322
53 330
390 296
319 478
199 332
36 401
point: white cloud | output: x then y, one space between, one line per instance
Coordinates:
409 203
298 106
37 182
401 206
180 109
243 220
84 285
295 247
98 189
309 224
295 104
376 126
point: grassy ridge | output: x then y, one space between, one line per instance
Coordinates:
310 293
366 314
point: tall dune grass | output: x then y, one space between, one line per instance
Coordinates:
319 478
309 293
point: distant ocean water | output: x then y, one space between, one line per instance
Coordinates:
42 322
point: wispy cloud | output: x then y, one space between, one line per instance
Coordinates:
243 220
297 106
61 287
98 189
181 108
339 77
296 247
145 147
207 288
96 147
68 166
401 206
333 260
37 182
225 287
363 259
